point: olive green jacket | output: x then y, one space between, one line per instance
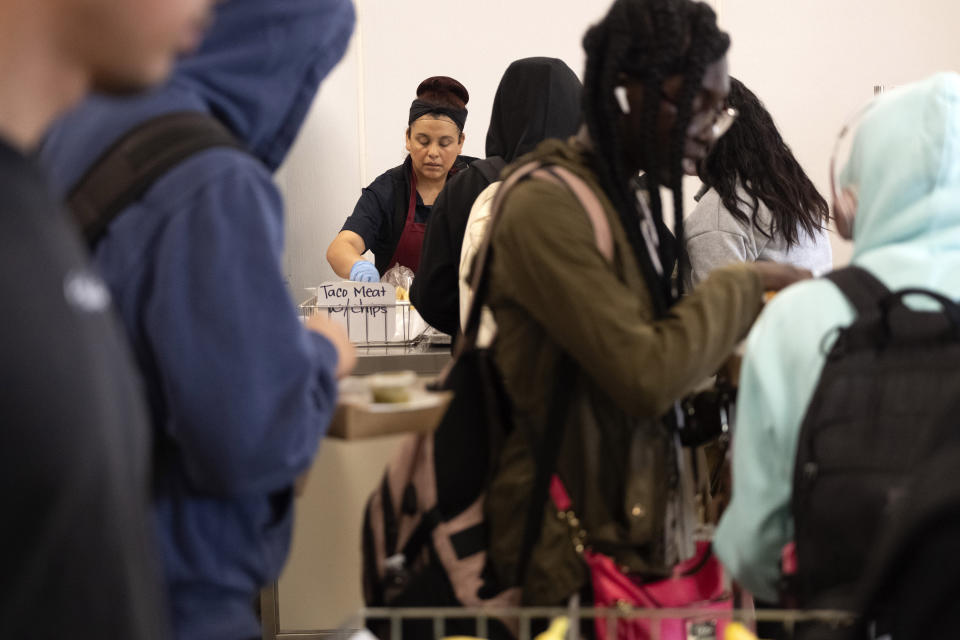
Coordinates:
552 290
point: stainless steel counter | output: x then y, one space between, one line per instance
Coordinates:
423 359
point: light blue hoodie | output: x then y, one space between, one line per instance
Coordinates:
240 393
906 160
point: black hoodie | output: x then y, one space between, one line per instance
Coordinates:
538 98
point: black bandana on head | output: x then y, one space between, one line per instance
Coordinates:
419 108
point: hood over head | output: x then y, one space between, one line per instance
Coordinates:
538 98
257 70
905 161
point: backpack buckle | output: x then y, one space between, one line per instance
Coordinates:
395 570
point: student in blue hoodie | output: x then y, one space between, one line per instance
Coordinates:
905 227
240 393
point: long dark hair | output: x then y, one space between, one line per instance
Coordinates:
754 157
648 40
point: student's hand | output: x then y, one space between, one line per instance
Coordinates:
776 276
364 271
336 334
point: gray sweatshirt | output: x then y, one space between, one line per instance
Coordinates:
714 237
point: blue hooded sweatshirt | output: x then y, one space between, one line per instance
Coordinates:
906 162
240 393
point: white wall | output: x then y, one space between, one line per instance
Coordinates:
815 62
812 61
470 41
320 178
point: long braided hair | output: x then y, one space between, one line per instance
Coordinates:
754 157
649 41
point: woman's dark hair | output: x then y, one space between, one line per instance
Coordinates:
443 92
649 41
752 155
440 96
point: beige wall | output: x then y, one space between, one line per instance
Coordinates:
812 61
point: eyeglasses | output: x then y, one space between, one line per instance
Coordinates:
717 120
723 120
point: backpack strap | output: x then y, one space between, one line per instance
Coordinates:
480 277
124 172
864 291
546 453
588 200
481 272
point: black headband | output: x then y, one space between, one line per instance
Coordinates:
419 108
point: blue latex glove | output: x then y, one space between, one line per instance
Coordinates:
364 271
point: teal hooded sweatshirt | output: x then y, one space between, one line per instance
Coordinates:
906 160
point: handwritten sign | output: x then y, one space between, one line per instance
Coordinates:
367 310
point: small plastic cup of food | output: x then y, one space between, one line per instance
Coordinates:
393 387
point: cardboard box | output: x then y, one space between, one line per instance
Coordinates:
357 418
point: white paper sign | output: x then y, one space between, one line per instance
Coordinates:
367 310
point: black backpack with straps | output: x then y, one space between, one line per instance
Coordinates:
129 167
874 420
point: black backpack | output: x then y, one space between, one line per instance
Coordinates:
911 589
875 420
129 167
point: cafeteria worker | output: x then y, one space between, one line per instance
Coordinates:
391 215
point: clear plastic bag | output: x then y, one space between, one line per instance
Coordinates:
402 278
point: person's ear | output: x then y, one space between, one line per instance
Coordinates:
406 140
844 213
463 137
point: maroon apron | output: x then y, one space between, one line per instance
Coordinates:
411 240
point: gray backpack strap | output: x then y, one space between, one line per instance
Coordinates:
124 172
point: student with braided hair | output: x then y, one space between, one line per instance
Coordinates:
654 88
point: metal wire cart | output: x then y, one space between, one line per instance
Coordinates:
434 623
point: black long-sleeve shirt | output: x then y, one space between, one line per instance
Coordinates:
76 545
435 292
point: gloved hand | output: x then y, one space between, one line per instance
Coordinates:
364 271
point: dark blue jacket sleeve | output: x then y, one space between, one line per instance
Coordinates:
372 210
250 392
